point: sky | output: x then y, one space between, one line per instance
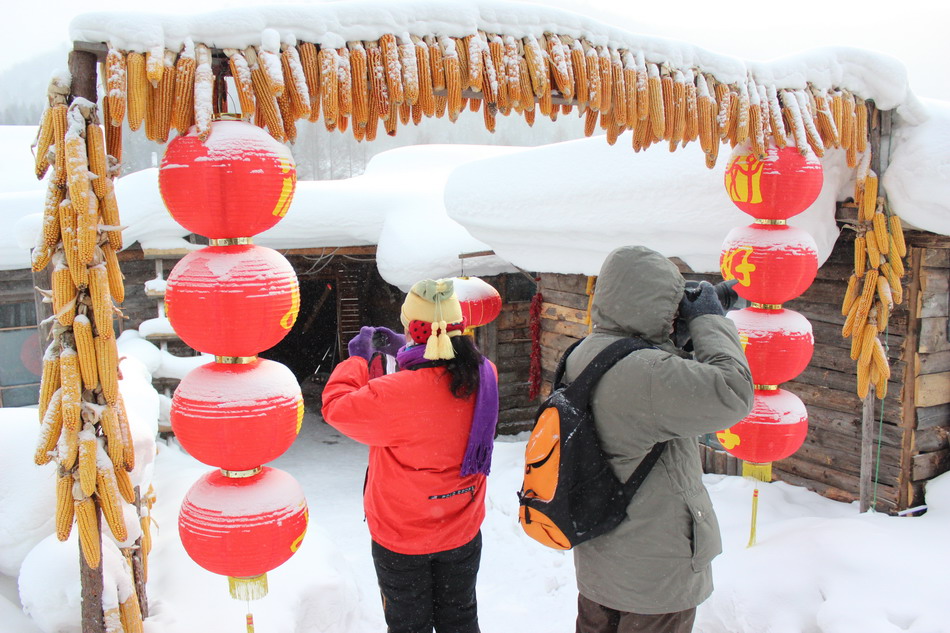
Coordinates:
911 30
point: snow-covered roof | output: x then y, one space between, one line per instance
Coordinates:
558 208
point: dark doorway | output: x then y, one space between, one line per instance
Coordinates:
310 348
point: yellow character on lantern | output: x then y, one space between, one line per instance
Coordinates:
743 340
286 189
288 320
297 541
743 179
741 271
728 439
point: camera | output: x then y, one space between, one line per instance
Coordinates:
727 297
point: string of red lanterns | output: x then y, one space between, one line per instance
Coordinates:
233 300
773 263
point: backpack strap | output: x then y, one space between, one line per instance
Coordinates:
643 469
586 380
562 364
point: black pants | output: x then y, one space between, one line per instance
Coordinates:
429 590
596 618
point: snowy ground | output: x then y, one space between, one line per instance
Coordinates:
818 566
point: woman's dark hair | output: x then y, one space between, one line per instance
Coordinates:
464 367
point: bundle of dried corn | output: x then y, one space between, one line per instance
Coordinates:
84 428
875 286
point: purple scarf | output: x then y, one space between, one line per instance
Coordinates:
481 437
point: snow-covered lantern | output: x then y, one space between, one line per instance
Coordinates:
773 263
237 416
232 301
782 184
777 343
481 303
243 526
774 429
237 183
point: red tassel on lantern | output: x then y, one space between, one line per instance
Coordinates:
237 416
777 343
237 183
781 185
243 527
773 263
232 300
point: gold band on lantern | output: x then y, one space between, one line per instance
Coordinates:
231 241
765 387
235 360
771 222
761 472
241 474
765 306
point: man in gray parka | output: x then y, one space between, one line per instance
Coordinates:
651 572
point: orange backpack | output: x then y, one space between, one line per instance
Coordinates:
570 493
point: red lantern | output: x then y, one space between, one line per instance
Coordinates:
243 527
777 343
773 263
232 300
777 187
237 416
774 429
237 183
481 303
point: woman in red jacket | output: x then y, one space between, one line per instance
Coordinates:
430 428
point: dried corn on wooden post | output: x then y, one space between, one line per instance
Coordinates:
344 87
461 51
113 272
392 68
77 165
54 197
286 109
776 121
453 78
691 125
756 132
155 64
307 51
163 99
795 116
115 86
528 102
51 427
896 231
579 67
873 249
241 74
108 497
114 447
559 57
378 87
72 387
678 103
43 143
618 91
410 70
87 522
295 81
435 62
808 118
49 378
825 120
391 123
268 59
130 614
65 293
705 113
846 108
850 294
128 448
372 121
137 89
606 79
265 104
512 73
87 222
65 510
657 106
204 92
124 484
86 351
489 84
183 102
359 86
67 224
101 301
98 160
868 203
595 89
88 448
426 99
109 214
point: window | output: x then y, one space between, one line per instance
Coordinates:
21 355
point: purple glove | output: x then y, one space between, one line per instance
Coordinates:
387 341
362 344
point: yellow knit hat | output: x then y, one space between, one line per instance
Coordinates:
434 301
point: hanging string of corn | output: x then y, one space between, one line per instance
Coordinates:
83 423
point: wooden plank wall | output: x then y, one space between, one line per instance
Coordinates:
507 342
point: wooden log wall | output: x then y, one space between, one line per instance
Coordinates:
912 422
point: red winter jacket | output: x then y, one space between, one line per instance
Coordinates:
417 431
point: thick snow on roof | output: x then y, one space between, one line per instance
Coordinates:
870 75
